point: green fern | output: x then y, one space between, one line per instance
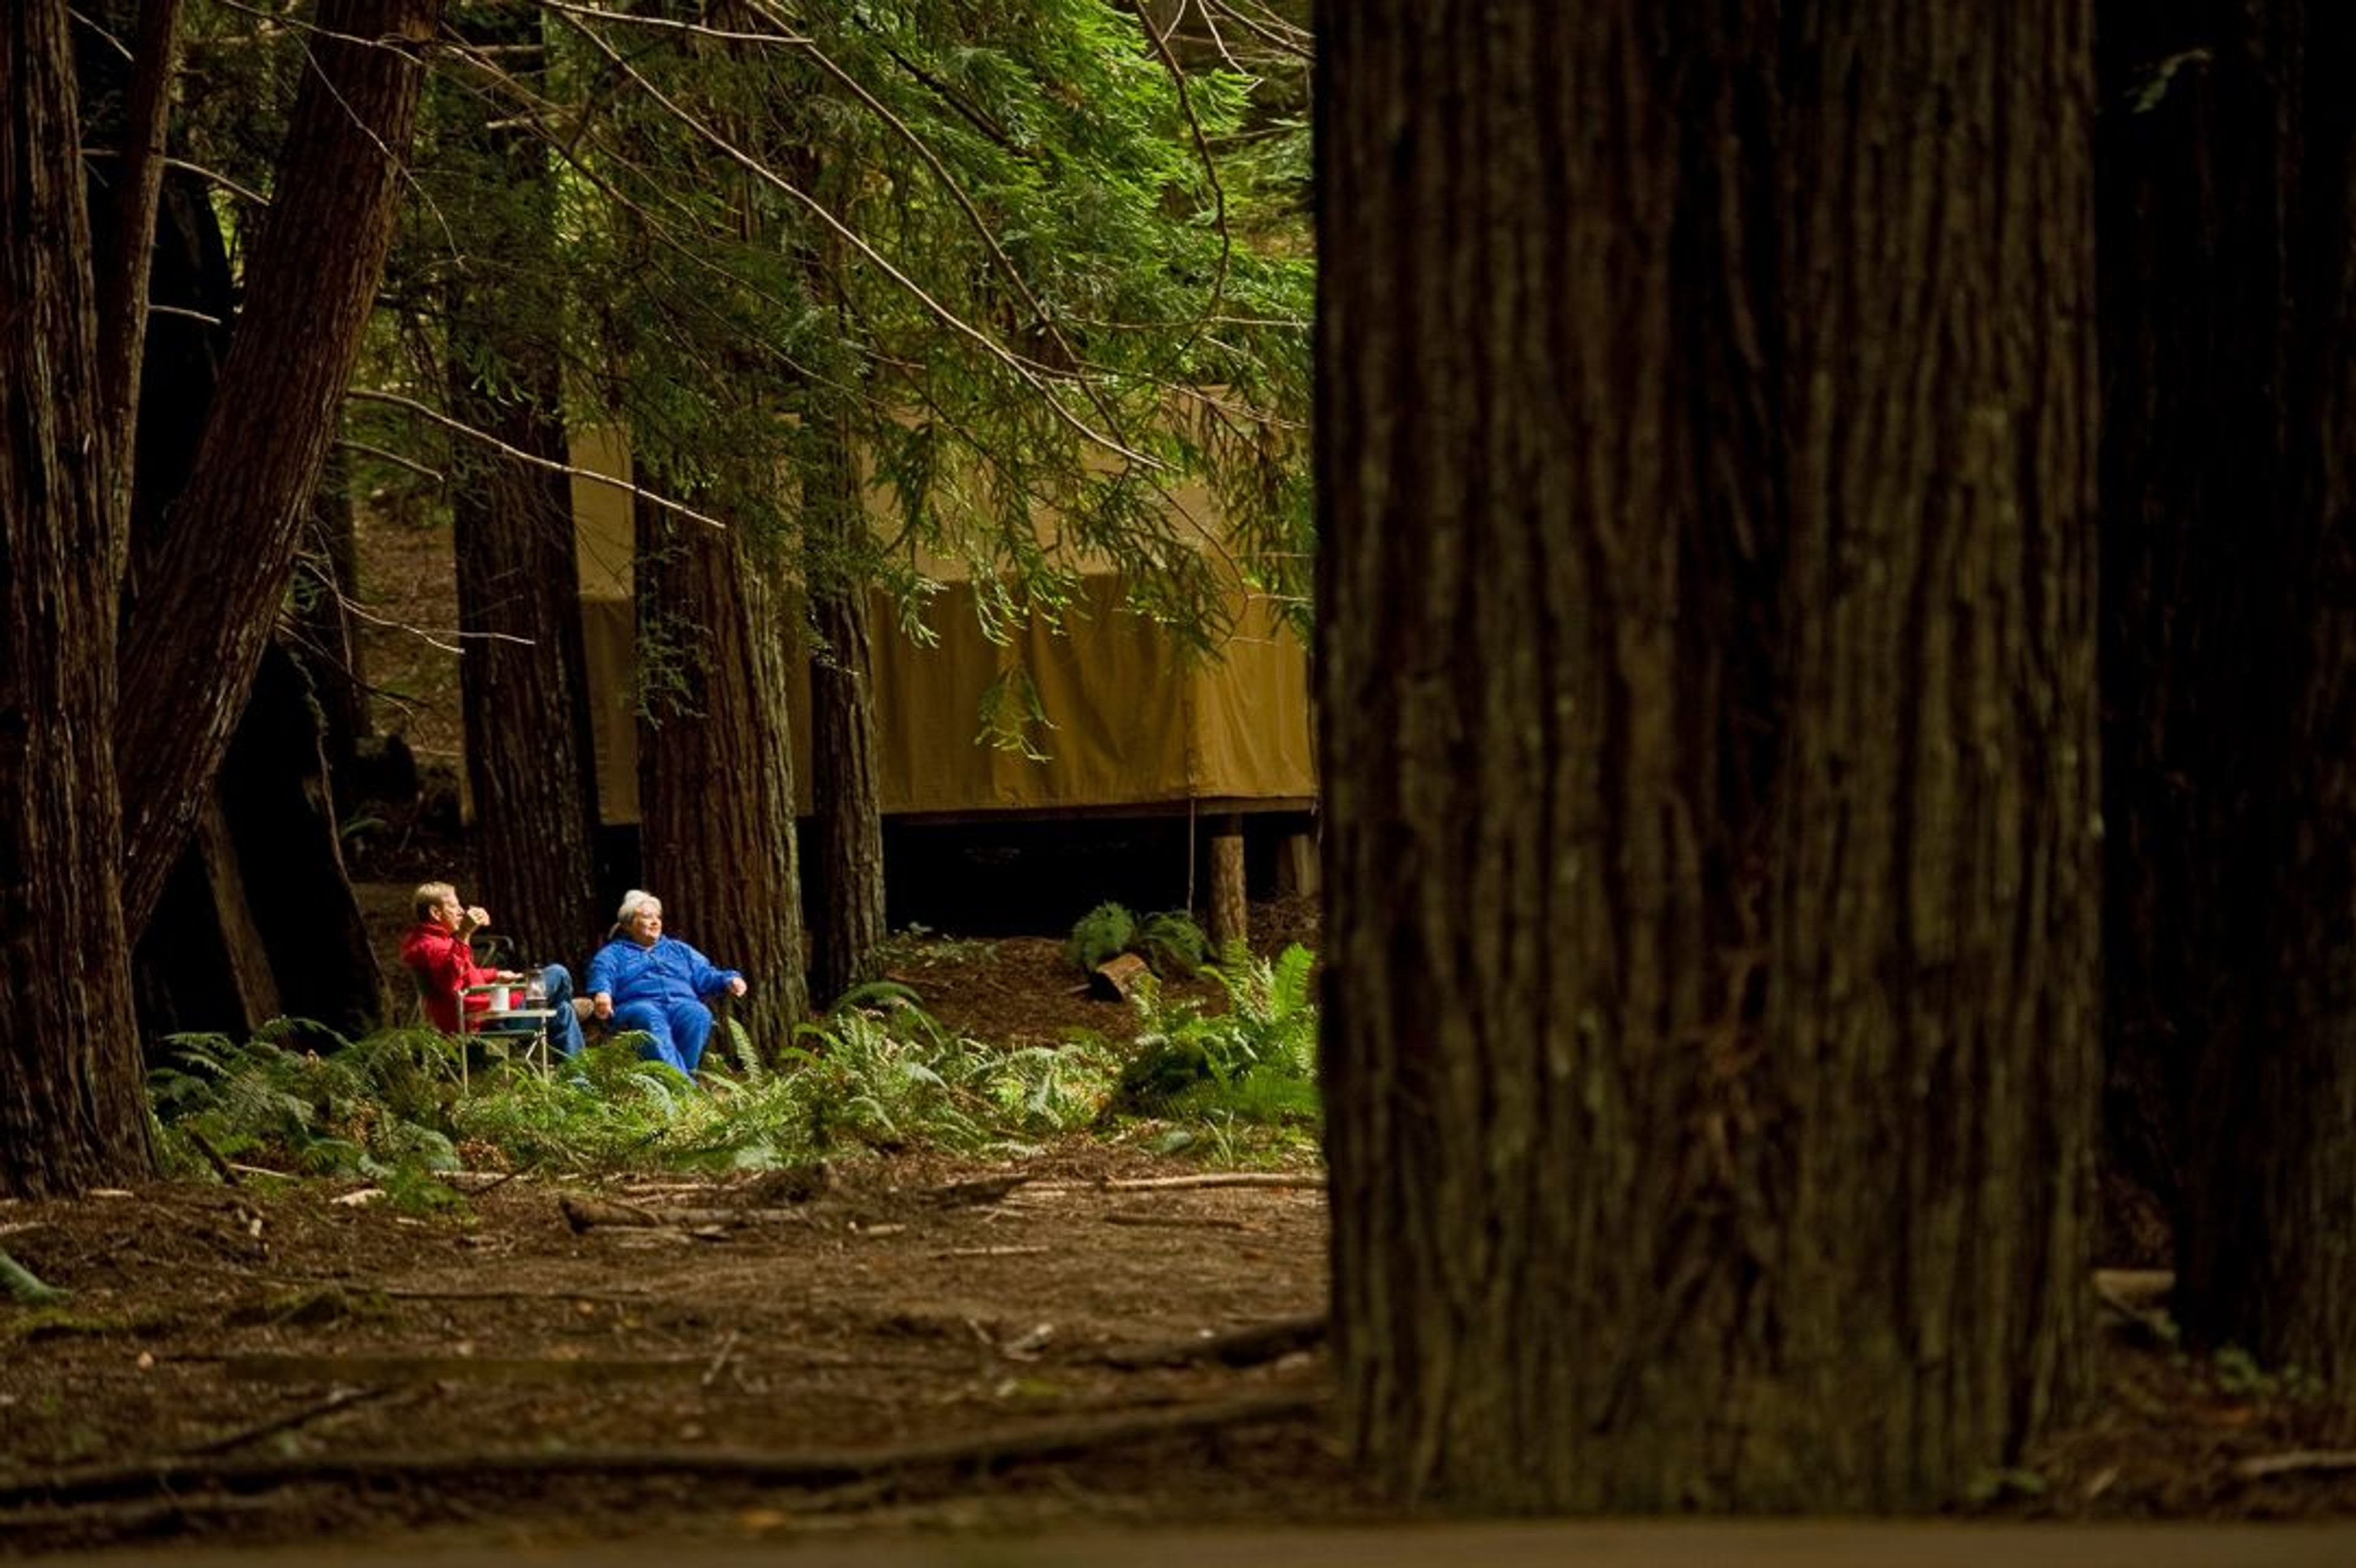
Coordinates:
1258 1059
1173 943
1105 932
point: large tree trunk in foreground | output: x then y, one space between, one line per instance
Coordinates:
845 802
715 764
1706 665
72 1113
524 677
202 624
2232 418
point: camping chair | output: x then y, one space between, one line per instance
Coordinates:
508 1017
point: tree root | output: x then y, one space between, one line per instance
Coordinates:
1057 1440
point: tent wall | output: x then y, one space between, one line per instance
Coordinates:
1133 723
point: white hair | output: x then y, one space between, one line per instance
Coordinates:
630 902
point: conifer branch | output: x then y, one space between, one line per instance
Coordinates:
1029 373
1202 150
484 437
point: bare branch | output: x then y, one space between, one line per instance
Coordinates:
394 400
1202 150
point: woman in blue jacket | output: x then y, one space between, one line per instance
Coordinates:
645 980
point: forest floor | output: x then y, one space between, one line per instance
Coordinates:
1081 1338
897 1345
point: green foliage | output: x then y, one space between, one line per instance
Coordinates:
1169 942
1256 1062
23 1288
2240 1375
1173 943
1105 932
878 1071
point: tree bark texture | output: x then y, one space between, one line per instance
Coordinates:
847 809
234 530
2231 657
523 678
1230 905
71 1113
1706 664
715 763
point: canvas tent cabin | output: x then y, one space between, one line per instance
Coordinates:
1157 772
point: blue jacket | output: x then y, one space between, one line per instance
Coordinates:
670 971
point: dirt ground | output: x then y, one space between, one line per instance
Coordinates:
1095 1339
905 1344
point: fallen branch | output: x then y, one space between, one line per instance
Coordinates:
2304 1460
1218 1178
584 1213
981 1189
342 1399
1241 1347
992 1251
588 1213
1176 1221
1060 1440
213 1156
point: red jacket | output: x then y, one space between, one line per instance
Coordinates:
444 965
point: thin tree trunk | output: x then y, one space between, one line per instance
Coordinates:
274 791
845 801
2231 325
200 631
328 649
72 1113
523 679
1705 676
715 763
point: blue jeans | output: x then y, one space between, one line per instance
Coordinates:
675 1031
564 1030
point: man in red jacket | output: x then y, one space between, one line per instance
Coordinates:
437 952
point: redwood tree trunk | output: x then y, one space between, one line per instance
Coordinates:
72 1113
202 624
715 764
2231 416
1706 664
523 678
846 805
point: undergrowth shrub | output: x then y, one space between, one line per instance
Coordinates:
877 1072
1256 1062
1170 942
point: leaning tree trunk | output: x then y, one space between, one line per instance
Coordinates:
72 1113
523 678
1707 693
199 629
846 805
715 762
2230 313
